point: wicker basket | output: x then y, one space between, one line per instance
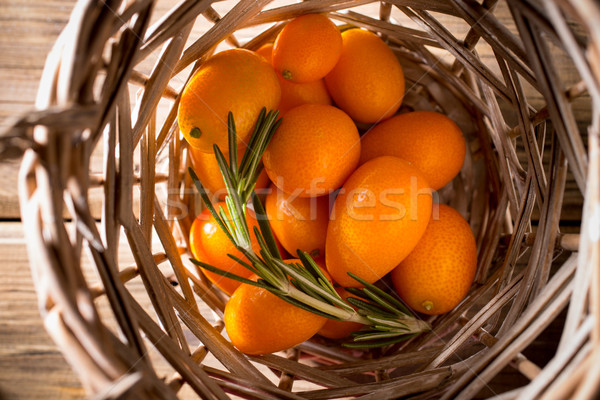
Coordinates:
533 158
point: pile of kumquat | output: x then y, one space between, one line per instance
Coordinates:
357 203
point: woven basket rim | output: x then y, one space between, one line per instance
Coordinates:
514 200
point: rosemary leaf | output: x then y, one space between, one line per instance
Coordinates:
265 228
264 136
304 306
311 265
377 299
243 263
374 335
208 204
222 272
383 294
357 292
389 323
250 151
273 270
239 225
369 308
230 184
231 134
308 289
323 293
379 343
228 224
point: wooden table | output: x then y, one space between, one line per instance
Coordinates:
31 367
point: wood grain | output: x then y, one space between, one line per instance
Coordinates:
27 31
30 365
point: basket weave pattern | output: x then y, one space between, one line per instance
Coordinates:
526 150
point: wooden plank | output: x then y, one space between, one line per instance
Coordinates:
27 31
26 351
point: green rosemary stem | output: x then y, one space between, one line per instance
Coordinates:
336 312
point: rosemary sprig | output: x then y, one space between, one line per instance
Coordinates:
302 284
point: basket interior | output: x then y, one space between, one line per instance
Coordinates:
108 202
